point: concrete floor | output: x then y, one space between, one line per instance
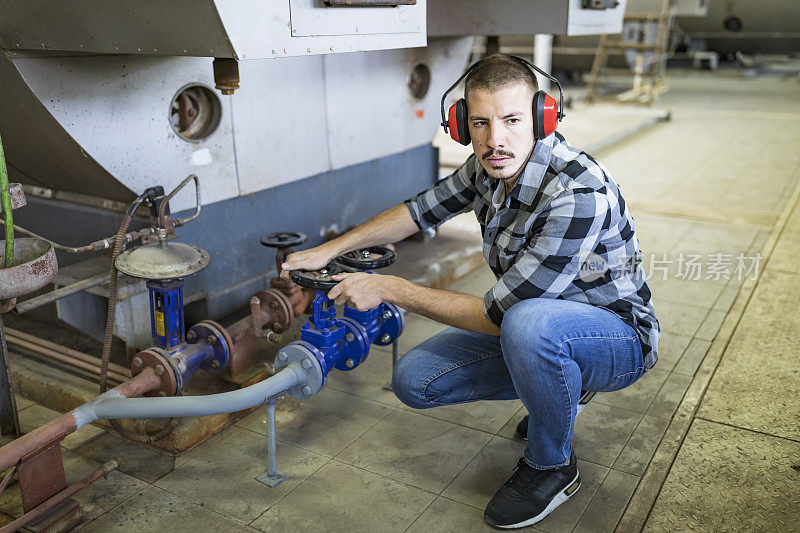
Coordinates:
712 181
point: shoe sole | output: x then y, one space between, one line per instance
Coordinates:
560 498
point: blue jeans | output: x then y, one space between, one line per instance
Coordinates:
547 351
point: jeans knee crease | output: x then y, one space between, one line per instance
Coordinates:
440 373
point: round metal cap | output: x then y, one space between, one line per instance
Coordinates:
154 261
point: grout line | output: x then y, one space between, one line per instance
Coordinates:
751 430
646 493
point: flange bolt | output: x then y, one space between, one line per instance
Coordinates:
191 335
306 391
282 356
349 363
211 339
386 338
349 337
306 363
137 361
159 370
387 314
215 364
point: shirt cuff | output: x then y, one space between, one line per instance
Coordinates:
416 214
492 309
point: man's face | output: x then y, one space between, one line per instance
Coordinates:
501 127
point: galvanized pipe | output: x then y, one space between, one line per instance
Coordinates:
52 296
31 342
105 406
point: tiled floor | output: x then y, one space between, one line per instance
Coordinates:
362 461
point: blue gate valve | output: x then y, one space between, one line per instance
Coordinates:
341 343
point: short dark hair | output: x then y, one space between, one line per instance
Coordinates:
497 71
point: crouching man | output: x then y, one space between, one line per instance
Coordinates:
571 308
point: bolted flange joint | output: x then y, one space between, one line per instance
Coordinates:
308 358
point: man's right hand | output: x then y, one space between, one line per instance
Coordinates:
311 259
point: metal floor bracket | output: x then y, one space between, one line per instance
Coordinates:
272 477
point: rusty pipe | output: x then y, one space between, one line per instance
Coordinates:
56 499
56 429
56 356
25 340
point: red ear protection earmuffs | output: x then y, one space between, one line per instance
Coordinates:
546 112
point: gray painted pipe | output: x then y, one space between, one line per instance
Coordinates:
212 404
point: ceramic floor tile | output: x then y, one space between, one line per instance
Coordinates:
34 416
509 430
325 423
417 329
727 297
608 504
670 349
415 449
446 516
564 518
340 497
155 509
697 293
670 395
692 357
636 454
601 431
489 416
492 467
486 473
710 326
138 460
679 318
638 396
369 379
105 493
476 282
233 463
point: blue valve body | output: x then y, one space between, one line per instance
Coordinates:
208 350
166 312
343 343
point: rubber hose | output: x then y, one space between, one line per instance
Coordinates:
7 209
109 334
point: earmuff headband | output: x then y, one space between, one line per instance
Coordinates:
560 113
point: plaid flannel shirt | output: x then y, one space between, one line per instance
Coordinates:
564 231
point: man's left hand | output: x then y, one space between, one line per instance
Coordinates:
361 290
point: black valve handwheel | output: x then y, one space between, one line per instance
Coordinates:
283 239
368 258
318 279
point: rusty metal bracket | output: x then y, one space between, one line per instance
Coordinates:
41 474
